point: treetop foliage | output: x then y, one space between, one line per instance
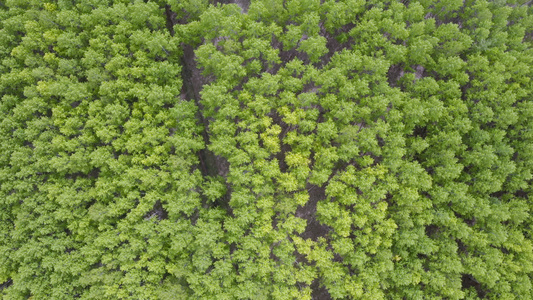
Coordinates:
266 149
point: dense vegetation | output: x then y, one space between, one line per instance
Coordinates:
276 149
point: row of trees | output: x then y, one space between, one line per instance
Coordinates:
266 150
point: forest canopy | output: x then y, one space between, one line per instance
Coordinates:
266 149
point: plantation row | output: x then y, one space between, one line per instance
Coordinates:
298 149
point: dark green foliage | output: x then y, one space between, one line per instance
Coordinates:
275 149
